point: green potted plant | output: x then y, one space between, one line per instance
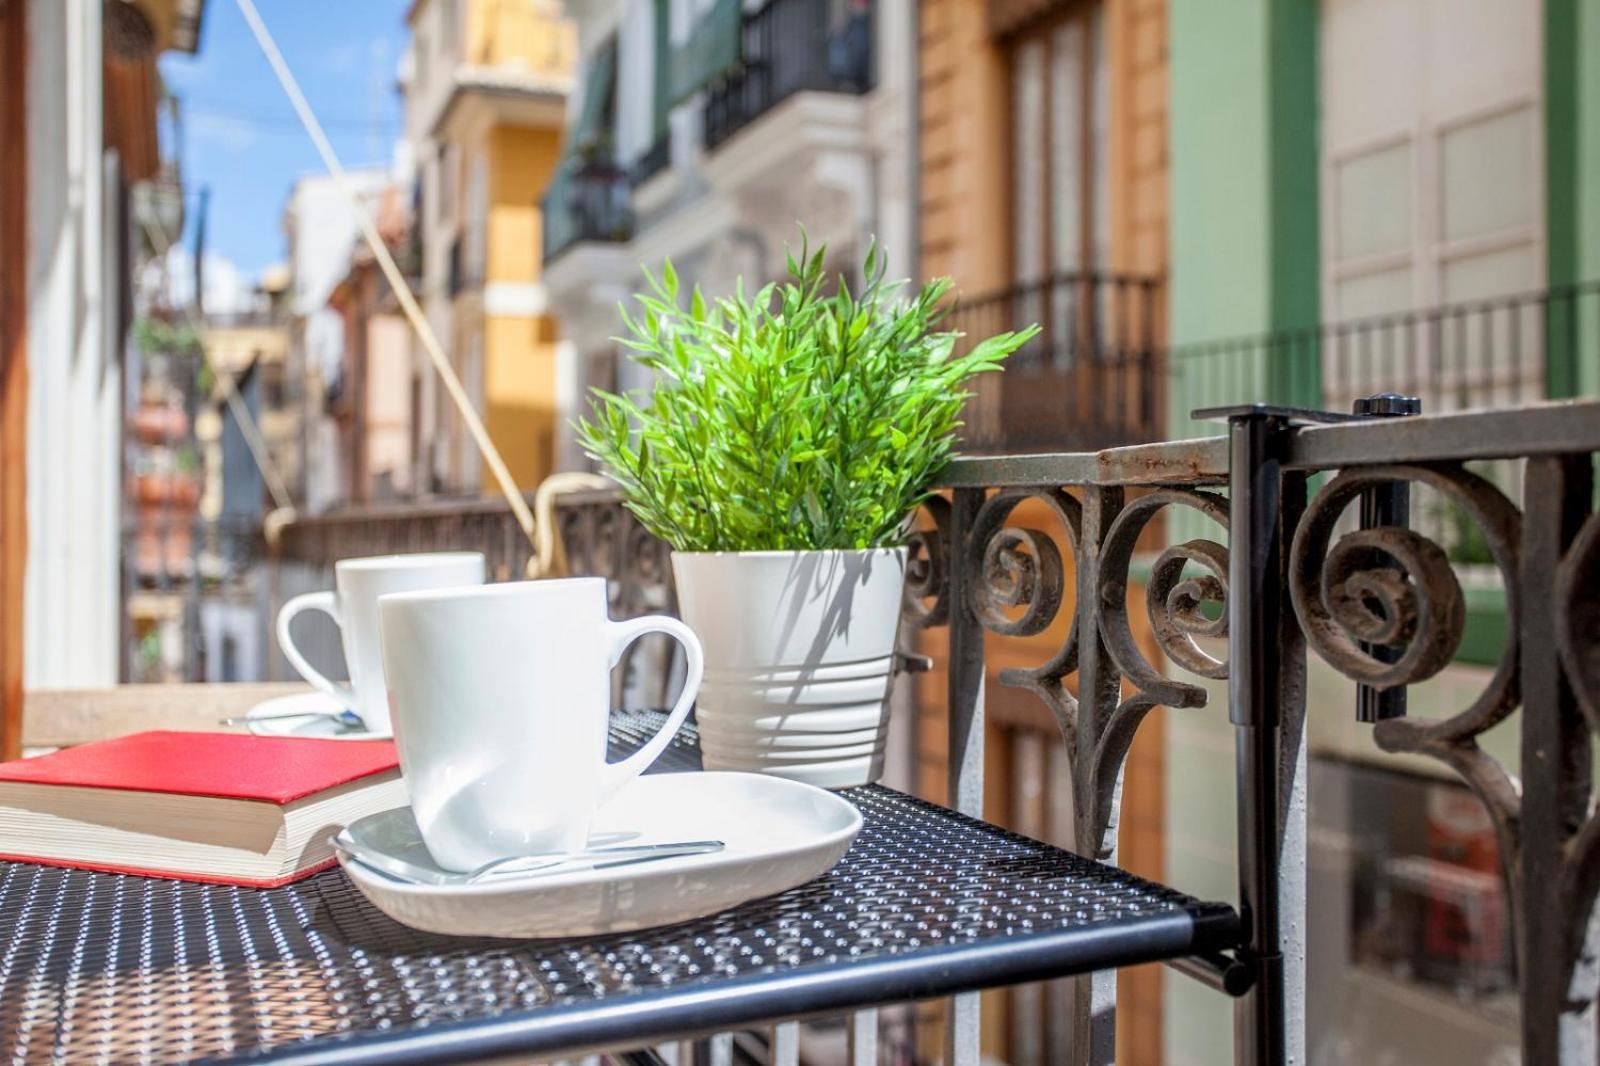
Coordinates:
788 439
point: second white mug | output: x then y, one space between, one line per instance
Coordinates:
353 605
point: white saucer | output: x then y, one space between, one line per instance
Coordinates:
779 834
263 719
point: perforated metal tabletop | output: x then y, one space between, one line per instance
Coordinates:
106 968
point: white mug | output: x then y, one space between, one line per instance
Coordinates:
353 605
500 696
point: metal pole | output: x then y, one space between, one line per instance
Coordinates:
1255 596
965 768
1389 505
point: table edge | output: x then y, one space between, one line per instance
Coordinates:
712 1005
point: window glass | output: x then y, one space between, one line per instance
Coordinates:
1488 171
1374 202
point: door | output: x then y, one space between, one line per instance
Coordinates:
1432 194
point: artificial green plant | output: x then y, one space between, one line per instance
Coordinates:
794 419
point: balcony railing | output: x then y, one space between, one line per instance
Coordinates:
1088 381
593 201
785 48
1482 353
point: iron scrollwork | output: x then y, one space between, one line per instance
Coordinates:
1350 593
927 591
1017 587
1022 568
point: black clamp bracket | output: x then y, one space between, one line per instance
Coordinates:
1385 505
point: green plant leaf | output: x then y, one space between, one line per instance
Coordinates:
803 416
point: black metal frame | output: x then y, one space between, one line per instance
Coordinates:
786 47
1380 605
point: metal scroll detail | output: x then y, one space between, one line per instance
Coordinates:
1348 594
927 592
1022 568
1578 641
1018 588
1578 585
1175 599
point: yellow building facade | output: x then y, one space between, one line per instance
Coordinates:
485 105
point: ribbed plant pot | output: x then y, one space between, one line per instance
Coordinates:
799 653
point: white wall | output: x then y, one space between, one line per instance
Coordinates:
71 611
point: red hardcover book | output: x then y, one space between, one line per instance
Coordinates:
223 807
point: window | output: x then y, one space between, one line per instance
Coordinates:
1432 186
447 163
1060 214
476 222
1058 134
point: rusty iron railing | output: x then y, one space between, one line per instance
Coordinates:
1371 597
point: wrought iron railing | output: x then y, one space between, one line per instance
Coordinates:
587 201
1089 380
1380 604
1493 352
790 46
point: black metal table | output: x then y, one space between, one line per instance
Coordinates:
98 967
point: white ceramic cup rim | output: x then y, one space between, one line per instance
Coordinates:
497 590
401 561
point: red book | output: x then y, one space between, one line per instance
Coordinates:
223 807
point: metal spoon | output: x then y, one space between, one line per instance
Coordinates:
597 858
345 717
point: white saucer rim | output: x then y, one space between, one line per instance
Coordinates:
704 862
279 705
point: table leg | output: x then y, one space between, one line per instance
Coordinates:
719 1050
786 1044
864 1037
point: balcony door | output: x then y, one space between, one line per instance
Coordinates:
1060 218
1432 194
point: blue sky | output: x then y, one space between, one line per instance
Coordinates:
241 137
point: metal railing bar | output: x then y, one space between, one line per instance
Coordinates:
1552 428
1220 973
1182 462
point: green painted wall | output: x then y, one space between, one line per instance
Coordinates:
1244 253
1244 260
1572 178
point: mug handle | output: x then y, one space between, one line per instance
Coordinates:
327 604
613 775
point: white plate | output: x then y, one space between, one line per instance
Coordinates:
263 719
778 833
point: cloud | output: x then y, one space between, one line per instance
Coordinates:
228 132
227 290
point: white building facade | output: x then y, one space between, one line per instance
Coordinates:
707 133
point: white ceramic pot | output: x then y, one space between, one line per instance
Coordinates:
799 653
